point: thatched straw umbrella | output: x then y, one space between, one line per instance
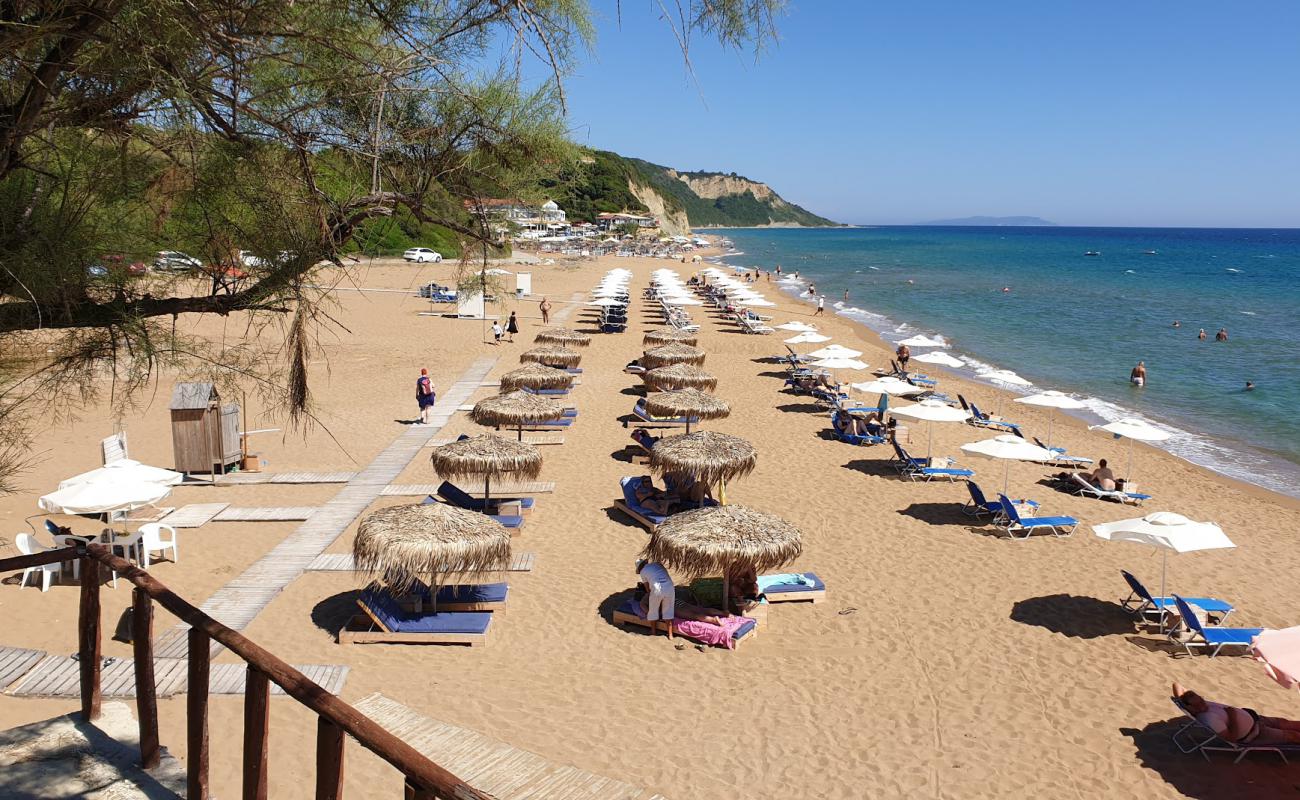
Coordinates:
536 376
517 409
489 456
563 336
668 336
675 353
552 356
707 456
723 539
402 544
686 403
678 376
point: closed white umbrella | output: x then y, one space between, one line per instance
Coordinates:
759 303
796 326
941 358
835 351
807 338
1007 447
103 497
1168 531
125 470
923 341
931 411
1053 400
1133 429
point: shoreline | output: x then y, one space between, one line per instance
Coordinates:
1093 415
1072 418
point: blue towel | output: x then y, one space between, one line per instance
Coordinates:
784 582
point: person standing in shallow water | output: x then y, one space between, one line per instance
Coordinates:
1139 374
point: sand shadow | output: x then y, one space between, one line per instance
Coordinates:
415 421
616 514
1190 775
774 374
801 407
880 467
333 612
942 514
1076 616
634 391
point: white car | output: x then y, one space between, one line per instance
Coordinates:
421 255
174 259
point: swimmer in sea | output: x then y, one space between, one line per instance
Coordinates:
1139 374
910 281
1222 335
1177 324
1250 386
1201 335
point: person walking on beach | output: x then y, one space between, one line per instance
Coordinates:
545 308
425 395
496 331
512 326
662 595
1139 374
821 303
1222 335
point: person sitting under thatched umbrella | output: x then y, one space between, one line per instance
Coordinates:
703 458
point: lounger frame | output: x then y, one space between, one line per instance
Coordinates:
364 628
640 518
624 618
1186 742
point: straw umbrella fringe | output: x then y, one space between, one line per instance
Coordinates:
536 376
708 456
661 337
688 403
515 409
402 544
675 353
489 456
551 355
562 336
678 376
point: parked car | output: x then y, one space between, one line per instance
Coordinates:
175 260
118 263
422 254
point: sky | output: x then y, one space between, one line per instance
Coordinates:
873 112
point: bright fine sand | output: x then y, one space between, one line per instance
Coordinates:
946 661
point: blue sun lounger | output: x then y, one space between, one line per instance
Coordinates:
1211 638
466 597
383 620
1061 458
980 505
792 587
919 468
1079 485
633 508
1155 609
1014 524
546 392
852 438
640 413
507 521
459 497
981 420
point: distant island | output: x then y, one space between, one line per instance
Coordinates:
1020 222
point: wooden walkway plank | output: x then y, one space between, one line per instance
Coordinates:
15 662
266 514
194 515
247 478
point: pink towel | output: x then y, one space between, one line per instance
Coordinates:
711 634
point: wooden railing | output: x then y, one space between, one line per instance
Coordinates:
424 780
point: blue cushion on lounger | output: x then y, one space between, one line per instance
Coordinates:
629 497
391 615
469 593
459 497
631 606
508 521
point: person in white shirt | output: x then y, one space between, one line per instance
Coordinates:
1239 725
662 595
821 305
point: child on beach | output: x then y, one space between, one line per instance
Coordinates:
496 331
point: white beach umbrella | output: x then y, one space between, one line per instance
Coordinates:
835 351
606 301
103 497
1133 429
895 387
682 301
760 303
839 363
125 470
1004 376
1053 400
1168 531
807 338
796 326
923 341
941 358
931 411
1007 447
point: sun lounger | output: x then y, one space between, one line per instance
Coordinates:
539 425
1061 458
1209 637
852 438
981 420
1209 741
383 620
546 392
461 597
629 613
640 413
629 505
639 450
1154 609
792 587
511 521
458 497
1014 524
919 468
1079 485
980 505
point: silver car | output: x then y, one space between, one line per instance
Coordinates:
175 260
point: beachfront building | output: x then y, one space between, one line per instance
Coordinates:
609 221
515 218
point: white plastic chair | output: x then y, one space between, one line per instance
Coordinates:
151 539
28 546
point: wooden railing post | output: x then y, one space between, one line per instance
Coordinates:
146 698
196 708
329 760
88 639
257 707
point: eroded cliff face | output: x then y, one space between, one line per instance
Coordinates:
671 222
711 187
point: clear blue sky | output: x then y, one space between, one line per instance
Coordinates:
1085 113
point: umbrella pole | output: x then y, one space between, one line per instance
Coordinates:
1164 561
722 491
521 431
487 490
726 606
929 443
1051 419
1006 475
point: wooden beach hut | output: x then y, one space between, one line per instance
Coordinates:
205 433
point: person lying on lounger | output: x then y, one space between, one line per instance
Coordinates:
686 610
642 437
1238 725
691 492
654 499
1103 477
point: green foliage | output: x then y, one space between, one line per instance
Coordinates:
594 185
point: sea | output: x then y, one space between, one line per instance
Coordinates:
1074 309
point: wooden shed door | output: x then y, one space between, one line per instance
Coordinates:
230 450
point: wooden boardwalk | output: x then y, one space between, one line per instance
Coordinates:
60 676
342 562
471 486
492 766
15 662
245 478
195 515
238 602
266 514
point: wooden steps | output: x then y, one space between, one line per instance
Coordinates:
60 676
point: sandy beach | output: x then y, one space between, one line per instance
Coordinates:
947 661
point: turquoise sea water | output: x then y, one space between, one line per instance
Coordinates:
1079 323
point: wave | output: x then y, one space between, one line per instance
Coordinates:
1233 270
